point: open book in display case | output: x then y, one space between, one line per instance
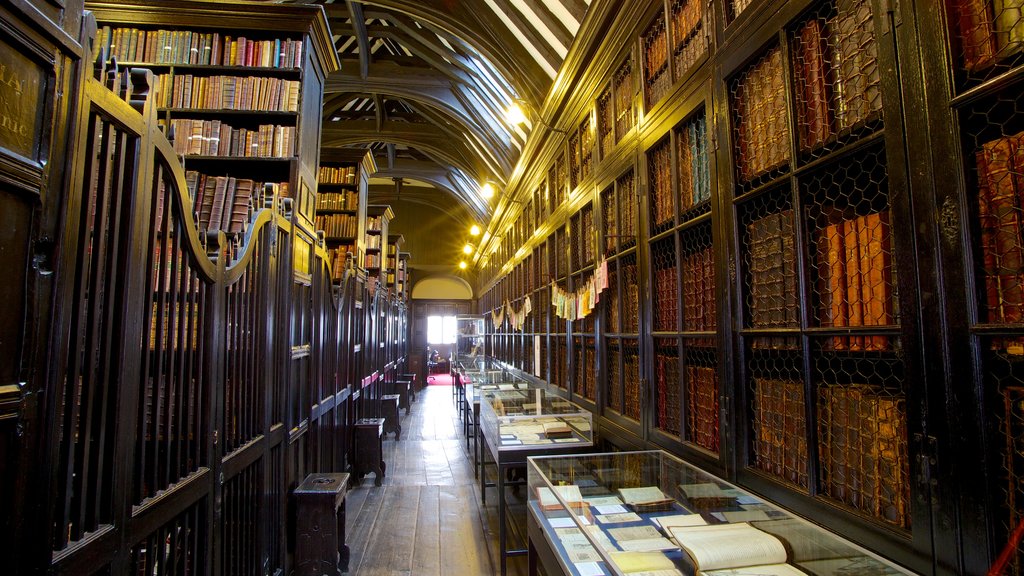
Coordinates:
650 512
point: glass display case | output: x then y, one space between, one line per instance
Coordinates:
469 340
630 512
515 417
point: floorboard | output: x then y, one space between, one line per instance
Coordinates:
426 519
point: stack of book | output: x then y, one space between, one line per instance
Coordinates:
862 445
253 93
224 202
626 190
336 175
780 429
659 161
1000 201
989 30
655 55
687 35
631 375
215 138
668 391
622 86
337 225
198 48
855 277
666 295
772 260
699 302
337 201
759 109
702 406
692 159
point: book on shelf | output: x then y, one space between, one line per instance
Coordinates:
780 429
241 93
1000 164
190 47
668 392
720 548
225 202
813 89
702 406
857 82
988 30
862 445
773 290
216 138
337 175
759 107
347 200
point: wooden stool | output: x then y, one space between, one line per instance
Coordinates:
411 377
320 525
369 449
389 410
404 390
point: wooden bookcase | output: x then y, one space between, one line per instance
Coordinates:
376 248
395 242
341 206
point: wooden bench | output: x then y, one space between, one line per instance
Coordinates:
369 449
320 525
389 410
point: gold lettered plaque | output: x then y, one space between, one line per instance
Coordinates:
22 101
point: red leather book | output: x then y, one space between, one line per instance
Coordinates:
854 298
973 22
813 94
1005 212
876 275
834 309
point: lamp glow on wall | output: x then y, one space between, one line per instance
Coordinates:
518 112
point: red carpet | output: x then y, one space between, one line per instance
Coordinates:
439 379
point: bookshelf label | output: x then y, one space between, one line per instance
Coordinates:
21 101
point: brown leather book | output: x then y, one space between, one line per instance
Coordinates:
813 91
876 275
973 22
834 309
1005 212
854 297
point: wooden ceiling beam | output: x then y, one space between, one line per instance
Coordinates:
355 11
379 105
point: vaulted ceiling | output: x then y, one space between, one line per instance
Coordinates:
425 85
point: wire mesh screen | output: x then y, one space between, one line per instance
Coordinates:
987 37
586 132
665 285
545 360
622 85
177 548
561 178
700 307
586 235
735 7
660 197
630 295
760 122
778 409
631 378
579 366
562 360
553 197
692 167
561 254
613 376
689 39
609 221
769 261
606 122
668 385
836 75
654 42
1004 372
574 160
862 434
590 368
612 301
625 192
995 141
847 215
576 234
701 377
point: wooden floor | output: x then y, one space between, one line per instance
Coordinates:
427 518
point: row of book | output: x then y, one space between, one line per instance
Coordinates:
862 445
198 48
989 30
373 241
337 257
692 158
702 406
659 161
623 89
224 202
655 54
780 429
337 225
772 271
631 377
372 261
348 200
336 175
667 376
1000 165
687 35
254 93
855 278
759 108
699 302
215 138
835 64
666 298
374 223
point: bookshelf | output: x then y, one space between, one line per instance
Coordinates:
376 249
341 205
395 242
235 93
403 277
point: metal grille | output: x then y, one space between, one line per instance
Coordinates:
586 132
586 235
987 37
574 160
553 197
997 150
630 295
665 285
660 197
668 384
760 123
1005 372
623 88
562 361
701 377
689 40
243 498
847 213
769 261
590 368
177 548
692 167
609 220
625 192
561 254
606 122
561 178
779 428
579 368
654 42
612 300
631 378
862 433
575 243
700 306
836 75
614 377
735 7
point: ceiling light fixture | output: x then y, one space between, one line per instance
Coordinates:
487 190
474 230
462 265
467 249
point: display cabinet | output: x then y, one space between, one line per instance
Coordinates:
469 339
620 513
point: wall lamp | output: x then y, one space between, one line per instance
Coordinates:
517 111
